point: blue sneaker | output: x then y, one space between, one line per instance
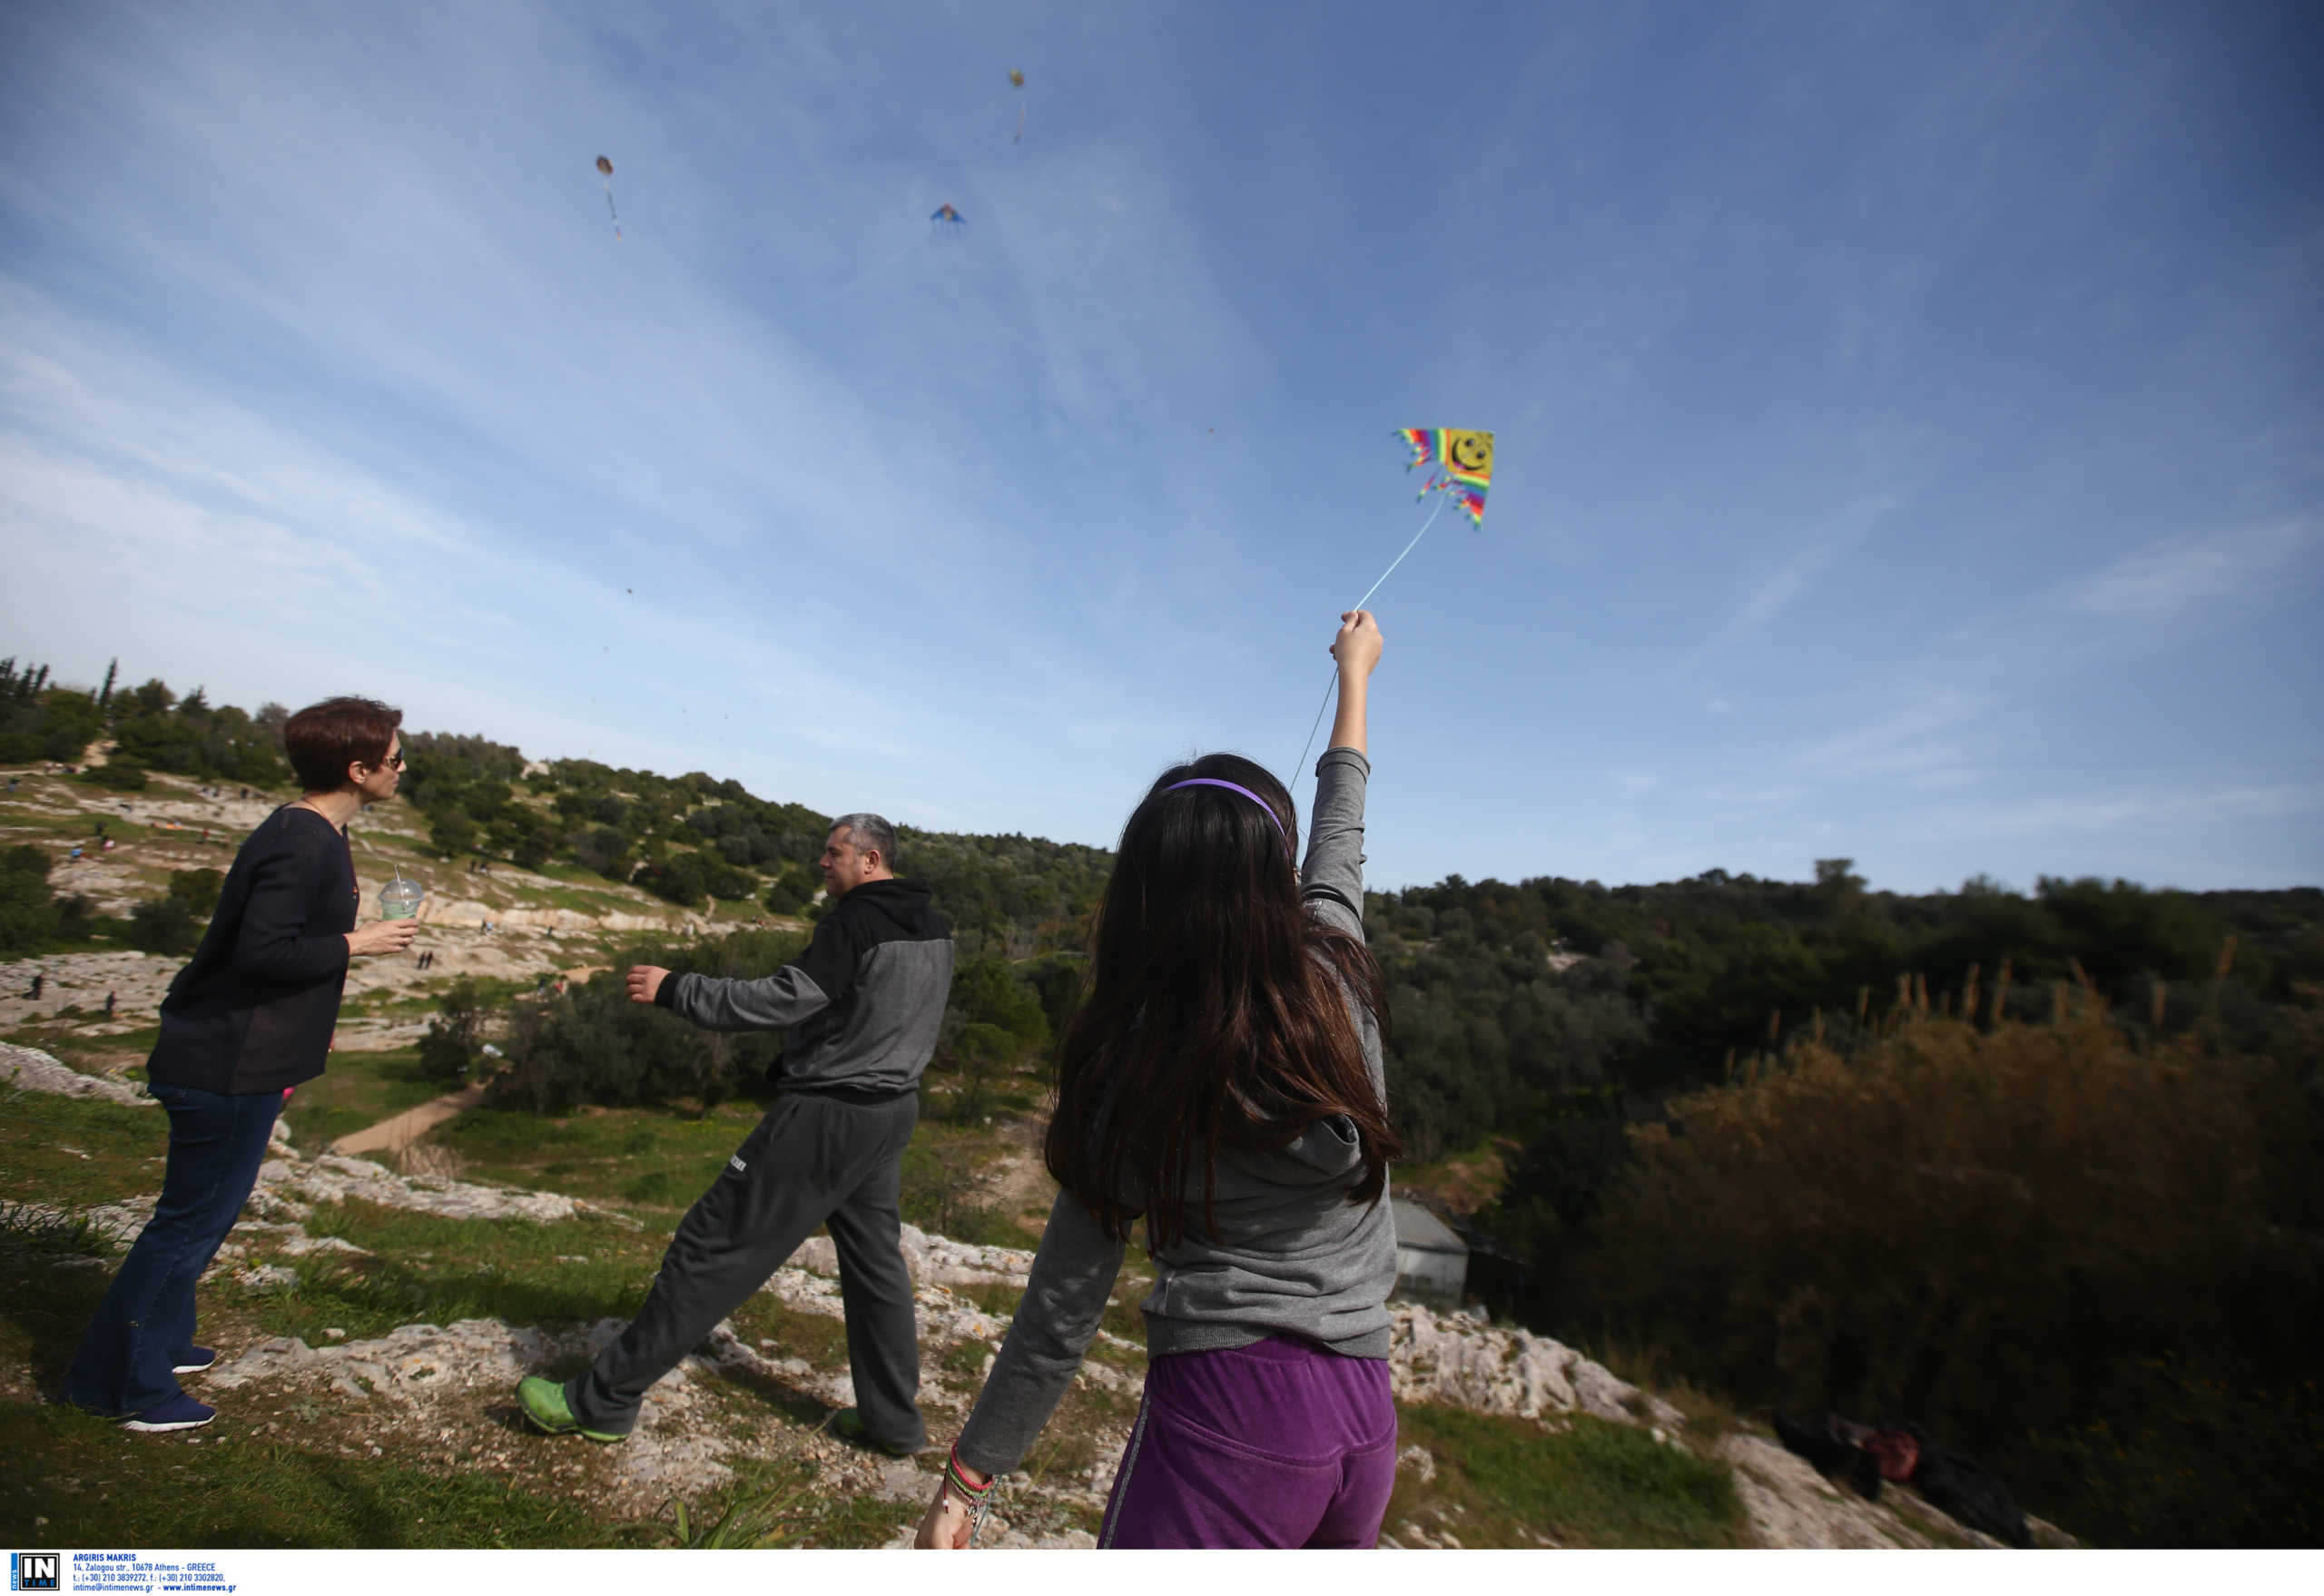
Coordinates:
197 1359
179 1412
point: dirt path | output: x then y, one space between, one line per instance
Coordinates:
401 1130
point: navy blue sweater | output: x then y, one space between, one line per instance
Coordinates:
255 1009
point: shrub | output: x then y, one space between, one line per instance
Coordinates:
593 1045
1992 1233
164 925
448 1049
124 772
451 831
28 915
198 890
941 1193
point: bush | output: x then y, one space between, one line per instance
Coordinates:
448 1050
28 915
198 890
593 1045
76 915
1993 1234
124 772
683 878
450 831
604 850
164 925
940 1194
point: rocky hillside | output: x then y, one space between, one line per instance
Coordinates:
327 1359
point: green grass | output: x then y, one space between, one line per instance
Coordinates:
78 1151
429 1270
356 1091
97 1485
656 1160
1499 1482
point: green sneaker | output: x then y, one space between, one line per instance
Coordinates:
544 1403
848 1425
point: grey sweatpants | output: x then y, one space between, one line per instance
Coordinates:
810 1161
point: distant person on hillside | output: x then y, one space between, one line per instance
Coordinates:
860 1009
39 980
249 1017
109 999
1222 1079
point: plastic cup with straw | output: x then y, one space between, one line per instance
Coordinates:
400 898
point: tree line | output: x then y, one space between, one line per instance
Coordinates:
151 727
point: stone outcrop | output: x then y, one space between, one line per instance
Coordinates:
288 1189
30 1069
1450 1358
933 1260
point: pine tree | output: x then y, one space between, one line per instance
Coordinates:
105 693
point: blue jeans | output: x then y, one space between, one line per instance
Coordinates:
145 1323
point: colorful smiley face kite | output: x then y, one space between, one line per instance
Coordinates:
1462 462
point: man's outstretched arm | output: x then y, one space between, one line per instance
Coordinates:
819 977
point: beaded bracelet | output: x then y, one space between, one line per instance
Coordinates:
977 1499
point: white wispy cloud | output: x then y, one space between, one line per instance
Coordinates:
2144 810
1926 733
1816 552
2174 575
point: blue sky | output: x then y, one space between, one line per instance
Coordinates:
1911 418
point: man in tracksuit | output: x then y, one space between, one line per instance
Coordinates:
862 1008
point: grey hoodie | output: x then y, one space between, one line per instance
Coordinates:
1290 1254
860 1008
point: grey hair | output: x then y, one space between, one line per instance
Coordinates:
868 833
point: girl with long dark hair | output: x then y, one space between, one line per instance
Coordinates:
1222 1080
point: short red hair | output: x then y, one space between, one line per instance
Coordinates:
323 739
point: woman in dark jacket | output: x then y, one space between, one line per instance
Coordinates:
250 1018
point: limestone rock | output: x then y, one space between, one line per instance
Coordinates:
331 1178
30 1069
933 1260
1452 1358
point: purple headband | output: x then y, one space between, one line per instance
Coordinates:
1273 819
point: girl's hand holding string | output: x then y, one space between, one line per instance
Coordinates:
1358 645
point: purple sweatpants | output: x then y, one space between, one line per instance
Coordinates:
1274 1445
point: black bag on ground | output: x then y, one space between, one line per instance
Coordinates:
1963 1487
1834 1445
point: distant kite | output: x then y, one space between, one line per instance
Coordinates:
606 170
944 219
1017 82
1464 460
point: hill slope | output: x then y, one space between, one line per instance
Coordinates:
374 1323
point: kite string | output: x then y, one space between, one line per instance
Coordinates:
1299 765
1399 560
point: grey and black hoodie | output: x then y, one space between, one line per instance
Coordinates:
863 1005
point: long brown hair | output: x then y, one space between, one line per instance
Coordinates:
1213 1014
